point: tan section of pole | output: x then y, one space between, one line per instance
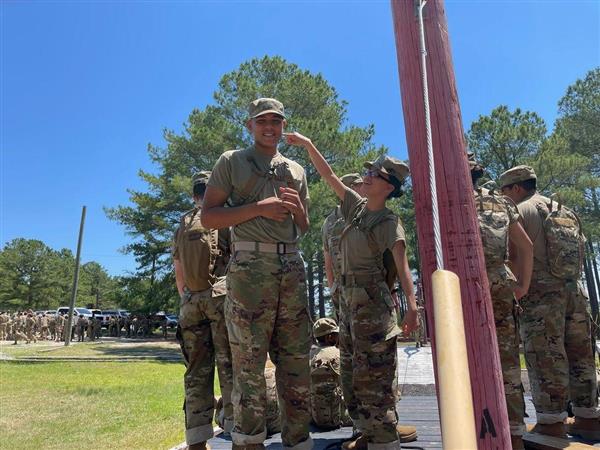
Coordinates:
455 398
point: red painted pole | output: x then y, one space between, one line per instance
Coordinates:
463 253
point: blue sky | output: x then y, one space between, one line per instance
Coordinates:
85 86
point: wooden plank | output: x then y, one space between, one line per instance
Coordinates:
537 441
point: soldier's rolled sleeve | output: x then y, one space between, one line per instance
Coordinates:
175 247
350 203
388 233
221 175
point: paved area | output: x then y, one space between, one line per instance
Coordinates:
415 365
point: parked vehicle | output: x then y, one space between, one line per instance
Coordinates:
77 311
108 313
158 318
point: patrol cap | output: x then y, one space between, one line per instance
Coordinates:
351 179
325 326
201 177
262 106
516 175
389 166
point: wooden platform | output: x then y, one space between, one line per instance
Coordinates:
421 412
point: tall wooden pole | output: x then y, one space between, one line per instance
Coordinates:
69 328
461 243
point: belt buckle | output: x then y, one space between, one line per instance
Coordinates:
281 245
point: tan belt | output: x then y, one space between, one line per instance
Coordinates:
281 248
361 279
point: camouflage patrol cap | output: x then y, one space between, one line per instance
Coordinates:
516 175
351 179
262 106
201 177
324 326
389 166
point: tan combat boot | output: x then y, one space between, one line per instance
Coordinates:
360 443
517 442
199 446
407 433
551 429
588 429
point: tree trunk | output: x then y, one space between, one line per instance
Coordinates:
311 288
461 243
321 290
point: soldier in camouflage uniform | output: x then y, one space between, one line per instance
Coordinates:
555 325
59 326
52 326
30 327
17 328
326 401
90 327
43 324
266 306
82 324
331 231
371 230
3 325
499 227
202 332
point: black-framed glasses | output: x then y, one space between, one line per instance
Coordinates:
374 173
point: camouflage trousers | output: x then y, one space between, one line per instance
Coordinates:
3 333
336 294
508 346
30 334
272 419
266 311
202 335
555 328
368 333
327 405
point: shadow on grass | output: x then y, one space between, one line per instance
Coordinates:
147 352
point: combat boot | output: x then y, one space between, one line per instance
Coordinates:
407 433
517 442
588 429
360 443
551 429
199 446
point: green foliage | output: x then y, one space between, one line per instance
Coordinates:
579 118
505 139
567 162
32 275
313 108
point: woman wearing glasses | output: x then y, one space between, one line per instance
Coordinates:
368 327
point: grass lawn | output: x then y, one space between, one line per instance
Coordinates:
115 405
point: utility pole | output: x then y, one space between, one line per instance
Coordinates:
458 225
75 281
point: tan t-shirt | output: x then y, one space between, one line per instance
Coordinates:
533 225
232 173
356 254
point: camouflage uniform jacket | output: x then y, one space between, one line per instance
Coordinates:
331 231
495 218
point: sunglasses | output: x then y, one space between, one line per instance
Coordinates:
373 173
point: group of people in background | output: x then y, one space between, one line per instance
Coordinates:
241 279
30 327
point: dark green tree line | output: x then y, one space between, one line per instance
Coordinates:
32 275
